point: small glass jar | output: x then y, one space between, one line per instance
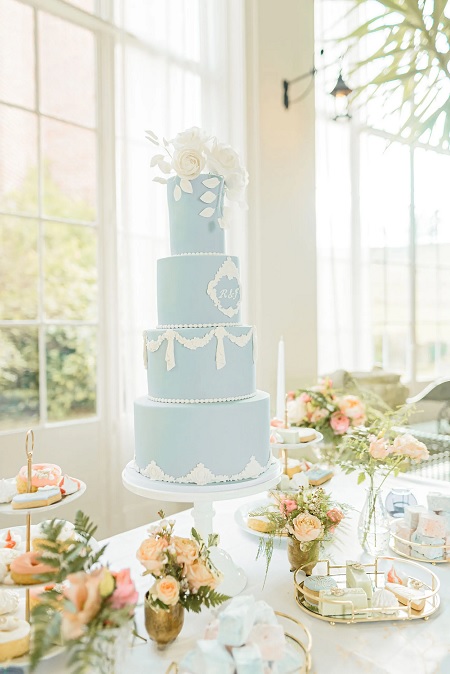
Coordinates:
397 500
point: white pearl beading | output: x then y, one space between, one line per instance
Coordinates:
182 254
197 325
193 401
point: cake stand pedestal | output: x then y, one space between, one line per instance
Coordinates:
203 497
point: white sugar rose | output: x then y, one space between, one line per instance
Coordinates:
167 590
188 162
193 137
296 410
408 445
223 160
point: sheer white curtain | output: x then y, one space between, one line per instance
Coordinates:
183 69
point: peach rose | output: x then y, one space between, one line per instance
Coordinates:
339 423
408 445
199 575
84 593
379 449
319 414
335 515
307 527
353 408
167 590
186 550
151 554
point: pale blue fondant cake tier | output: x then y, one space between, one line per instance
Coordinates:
198 364
198 290
194 217
202 444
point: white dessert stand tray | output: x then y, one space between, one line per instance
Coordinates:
203 497
301 450
241 516
396 542
416 573
7 509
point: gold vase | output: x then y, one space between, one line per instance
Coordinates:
304 559
162 626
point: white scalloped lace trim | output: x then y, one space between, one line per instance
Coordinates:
197 325
202 475
200 400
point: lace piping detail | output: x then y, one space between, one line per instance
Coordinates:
201 474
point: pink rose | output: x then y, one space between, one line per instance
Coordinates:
306 527
353 408
199 575
186 550
125 593
287 505
335 515
339 423
290 395
151 554
408 445
305 397
84 593
379 449
167 590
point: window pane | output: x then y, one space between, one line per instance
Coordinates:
19 377
18 161
71 372
69 166
19 269
87 5
17 54
67 70
70 271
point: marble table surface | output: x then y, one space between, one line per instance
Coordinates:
416 647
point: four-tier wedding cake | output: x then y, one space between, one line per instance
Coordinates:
203 420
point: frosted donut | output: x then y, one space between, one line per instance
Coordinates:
14 638
42 475
26 569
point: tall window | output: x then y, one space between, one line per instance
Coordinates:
383 236
48 218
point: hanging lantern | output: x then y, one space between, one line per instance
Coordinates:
341 92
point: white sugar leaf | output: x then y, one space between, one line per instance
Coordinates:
151 134
207 212
211 182
166 143
186 185
158 179
156 159
164 166
177 193
208 197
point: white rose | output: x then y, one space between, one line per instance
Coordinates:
236 183
296 410
223 160
188 162
193 137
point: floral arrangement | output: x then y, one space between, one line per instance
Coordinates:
309 516
181 567
332 413
193 152
87 610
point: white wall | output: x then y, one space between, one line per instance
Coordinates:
282 244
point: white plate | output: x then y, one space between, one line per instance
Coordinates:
24 660
7 509
241 516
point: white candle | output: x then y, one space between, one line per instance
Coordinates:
281 381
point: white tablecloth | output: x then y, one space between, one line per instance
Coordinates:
417 647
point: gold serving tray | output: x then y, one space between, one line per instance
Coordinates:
418 575
396 542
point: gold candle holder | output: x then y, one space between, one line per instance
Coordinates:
29 454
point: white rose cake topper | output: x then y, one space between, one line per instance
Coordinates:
193 152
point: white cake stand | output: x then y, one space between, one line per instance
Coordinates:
203 497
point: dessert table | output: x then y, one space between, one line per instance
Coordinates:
416 647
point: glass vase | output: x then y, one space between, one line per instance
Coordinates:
112 646
373 525
163 626
304 559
